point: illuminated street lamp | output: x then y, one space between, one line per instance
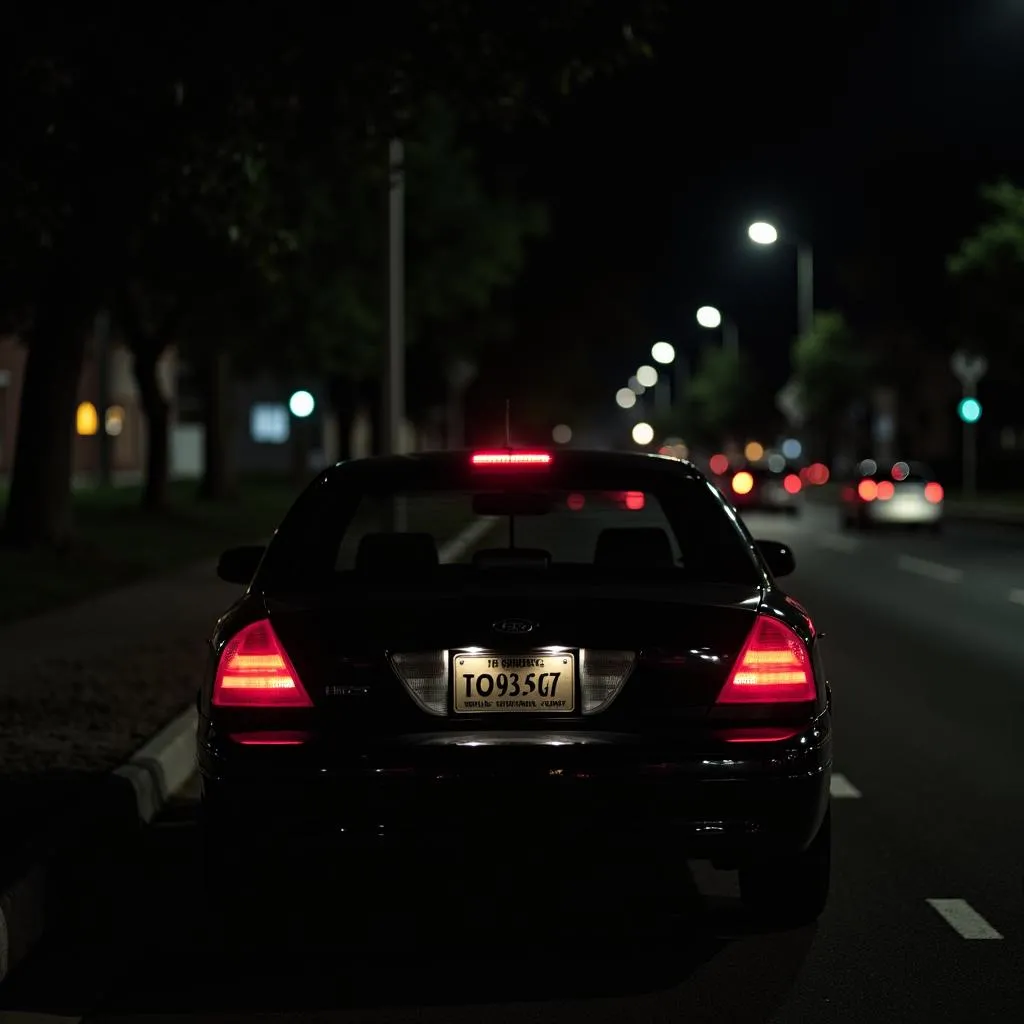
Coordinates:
625 398
647 376
711 318
643 433
662 352
763 233
708 316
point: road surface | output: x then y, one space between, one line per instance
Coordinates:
925 649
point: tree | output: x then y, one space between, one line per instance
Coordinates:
721 402
831 370
988 267
88 149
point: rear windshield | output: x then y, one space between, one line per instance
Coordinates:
587 533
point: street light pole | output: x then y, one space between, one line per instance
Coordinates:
394 365
805 287
970 453
730 336
969 368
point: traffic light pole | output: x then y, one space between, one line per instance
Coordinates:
970 452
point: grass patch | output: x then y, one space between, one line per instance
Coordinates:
117 543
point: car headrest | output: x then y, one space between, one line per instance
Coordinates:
632 546
383 552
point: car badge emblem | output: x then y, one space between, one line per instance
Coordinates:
516 626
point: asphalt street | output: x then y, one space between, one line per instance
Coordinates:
925 650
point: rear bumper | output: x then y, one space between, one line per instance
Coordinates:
728 803
887 513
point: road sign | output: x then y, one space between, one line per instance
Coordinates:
968 367
969 410
790 403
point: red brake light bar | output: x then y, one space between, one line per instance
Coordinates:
511 458
255 672
773 668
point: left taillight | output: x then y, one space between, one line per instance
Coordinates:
255 671
774 667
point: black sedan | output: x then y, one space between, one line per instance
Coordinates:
571 667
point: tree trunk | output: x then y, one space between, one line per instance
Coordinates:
344 401
217 483
157 411
39 508
373 403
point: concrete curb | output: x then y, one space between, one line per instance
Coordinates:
135 793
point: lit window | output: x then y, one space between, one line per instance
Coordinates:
86 420
113 422
269 424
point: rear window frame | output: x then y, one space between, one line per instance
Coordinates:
315 525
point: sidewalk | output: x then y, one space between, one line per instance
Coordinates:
83 687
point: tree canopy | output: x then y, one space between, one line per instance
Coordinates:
830 368
988 267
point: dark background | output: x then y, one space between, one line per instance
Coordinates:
864 128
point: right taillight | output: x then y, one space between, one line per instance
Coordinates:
933 492
867 490
774 667
255 671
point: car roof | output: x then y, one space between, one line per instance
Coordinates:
452 463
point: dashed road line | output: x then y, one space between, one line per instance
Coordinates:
837 542
963 918
1017 596
843 788
933 570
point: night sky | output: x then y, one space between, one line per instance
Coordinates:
865 132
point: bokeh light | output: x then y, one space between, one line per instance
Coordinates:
643 433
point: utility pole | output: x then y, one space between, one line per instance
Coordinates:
394 364
969 368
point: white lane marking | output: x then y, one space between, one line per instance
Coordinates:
842 787
961 916
837 542
1017 596
462 542
933 570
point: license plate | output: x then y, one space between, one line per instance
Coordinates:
513 683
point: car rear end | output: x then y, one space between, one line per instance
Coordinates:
763 490
622 670
901 494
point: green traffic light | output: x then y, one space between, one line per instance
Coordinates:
969 410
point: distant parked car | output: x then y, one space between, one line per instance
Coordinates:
892 494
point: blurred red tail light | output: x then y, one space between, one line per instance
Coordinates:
867 490
255 672
934 493
792 484
774 667
507 458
